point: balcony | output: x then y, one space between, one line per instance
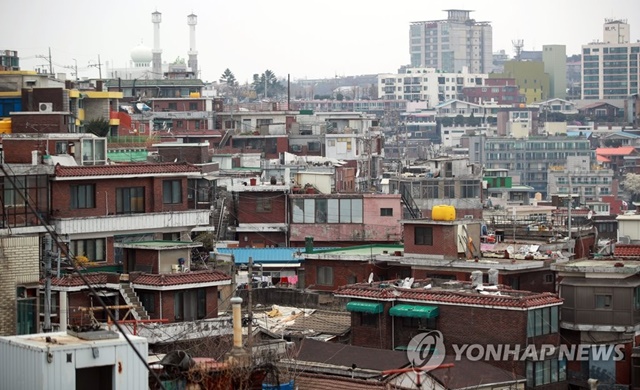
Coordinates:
132 222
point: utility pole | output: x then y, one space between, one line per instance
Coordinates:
249 308
99 66
49 254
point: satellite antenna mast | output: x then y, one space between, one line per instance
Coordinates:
518 44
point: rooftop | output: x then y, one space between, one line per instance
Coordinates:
134 170
618 266
449 293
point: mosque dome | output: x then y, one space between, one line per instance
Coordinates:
141 55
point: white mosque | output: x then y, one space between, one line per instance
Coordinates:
146 62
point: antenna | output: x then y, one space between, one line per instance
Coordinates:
518 44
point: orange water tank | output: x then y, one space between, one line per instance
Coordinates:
443 213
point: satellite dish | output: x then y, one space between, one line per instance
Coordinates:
370 278
590 214
510 249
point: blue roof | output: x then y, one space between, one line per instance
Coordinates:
263 255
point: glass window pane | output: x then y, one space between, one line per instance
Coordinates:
356 210
298 213
309 210
333 211
321 211
345 210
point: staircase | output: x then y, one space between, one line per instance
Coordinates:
412 211
131 299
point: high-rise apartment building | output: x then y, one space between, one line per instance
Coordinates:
451 44
610 68
554 58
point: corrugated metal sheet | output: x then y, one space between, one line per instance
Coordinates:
25 364
121 223
263 255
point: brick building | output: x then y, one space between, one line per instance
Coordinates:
388 315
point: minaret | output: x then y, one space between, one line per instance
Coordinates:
156 61
192 20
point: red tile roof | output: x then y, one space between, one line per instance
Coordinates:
124 169
619 151
507 299
75 280
180 278
626 250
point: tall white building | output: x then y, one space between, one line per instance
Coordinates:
451 44
610 68
427 84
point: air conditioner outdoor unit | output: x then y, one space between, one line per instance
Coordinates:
46 107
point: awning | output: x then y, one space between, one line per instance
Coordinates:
365 307
414 311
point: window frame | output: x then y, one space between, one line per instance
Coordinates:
89 191
423 235
172 191
126 203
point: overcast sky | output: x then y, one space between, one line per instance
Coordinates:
306 39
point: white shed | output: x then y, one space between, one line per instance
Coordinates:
97 360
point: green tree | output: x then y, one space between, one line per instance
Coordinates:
99 127
229 78
631 185
269 80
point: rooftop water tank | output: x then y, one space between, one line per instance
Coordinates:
443 213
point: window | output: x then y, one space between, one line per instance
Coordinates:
130 200
542 321
419 323
93 249
367 319
148 301
83 196
190 305
547 371
172 191
386 212
324 276
603 301
423 236
263 205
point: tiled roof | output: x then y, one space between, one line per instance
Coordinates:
181 278
507 299
619 151
626 250
124 169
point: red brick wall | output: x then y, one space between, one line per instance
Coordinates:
39 123
445 238
372 336
105 196
342 271
247 208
